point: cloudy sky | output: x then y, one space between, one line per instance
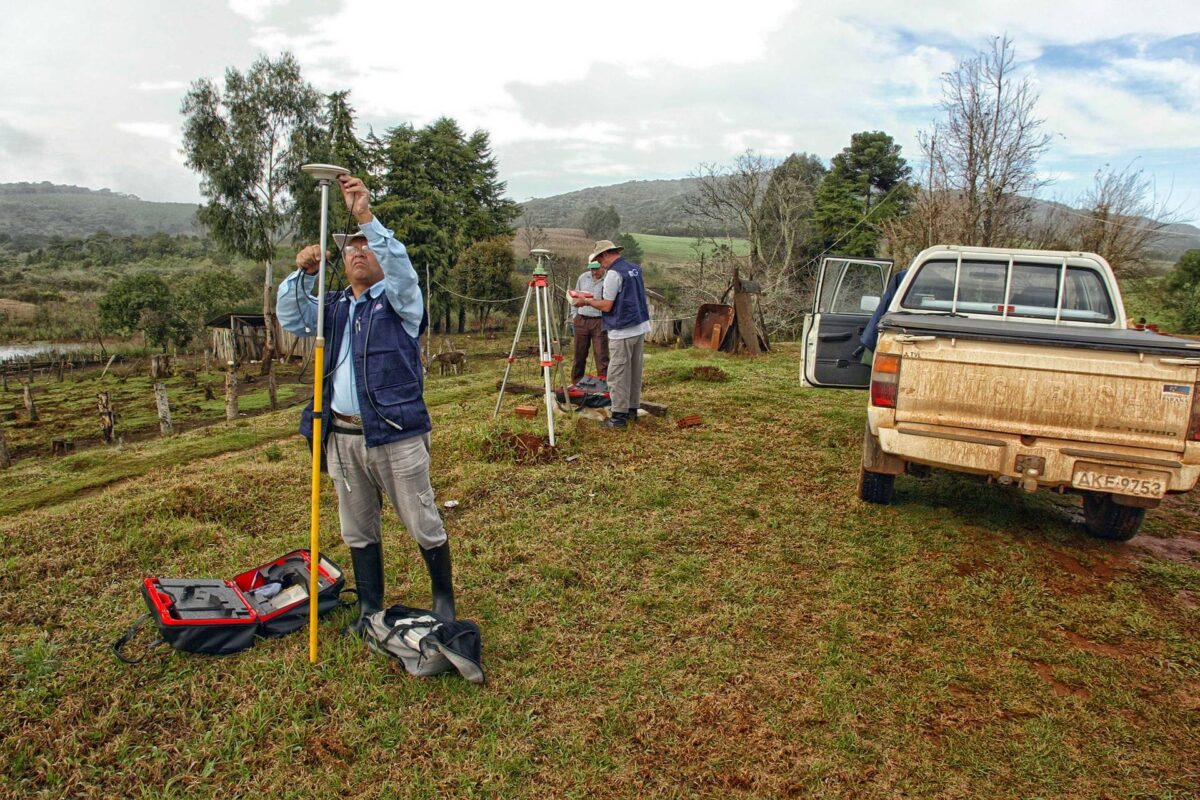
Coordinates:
581 94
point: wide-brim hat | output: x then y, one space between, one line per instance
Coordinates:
343 238
594 265
603 246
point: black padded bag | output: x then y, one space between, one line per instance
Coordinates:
219 617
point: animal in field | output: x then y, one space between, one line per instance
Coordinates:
448 359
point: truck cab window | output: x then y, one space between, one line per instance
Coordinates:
1033 292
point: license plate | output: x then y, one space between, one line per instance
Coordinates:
1120 480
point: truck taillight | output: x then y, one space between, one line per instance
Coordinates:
1194 425
885 380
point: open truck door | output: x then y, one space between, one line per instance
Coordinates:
848 292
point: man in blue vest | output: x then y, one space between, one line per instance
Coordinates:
375 424
625 316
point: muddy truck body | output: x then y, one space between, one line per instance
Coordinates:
1015 365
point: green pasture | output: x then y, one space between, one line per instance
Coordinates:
677 613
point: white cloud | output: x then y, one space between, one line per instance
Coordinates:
1097 117
255 10
1174 76
160 86
159 131
771 143
573 95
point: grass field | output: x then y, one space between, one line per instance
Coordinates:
679 249
705 612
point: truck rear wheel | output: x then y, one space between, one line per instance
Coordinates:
876 487
1105 519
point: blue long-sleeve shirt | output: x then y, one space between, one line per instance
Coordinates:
297 308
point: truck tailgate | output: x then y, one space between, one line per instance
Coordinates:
1085 395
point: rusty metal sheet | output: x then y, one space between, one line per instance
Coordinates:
713 321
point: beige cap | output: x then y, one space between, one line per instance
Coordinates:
603 246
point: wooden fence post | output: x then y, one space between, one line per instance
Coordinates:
5 458
160 366
164 409
108 419
4 379
272 394
231 400
30 408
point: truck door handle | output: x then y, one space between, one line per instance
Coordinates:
909 338
1183 362
834 337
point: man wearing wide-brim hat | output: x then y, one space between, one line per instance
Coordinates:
625 317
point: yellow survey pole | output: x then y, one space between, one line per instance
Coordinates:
324 173
315 533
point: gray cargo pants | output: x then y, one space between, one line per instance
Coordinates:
625 372
363 475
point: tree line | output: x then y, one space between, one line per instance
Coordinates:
436 187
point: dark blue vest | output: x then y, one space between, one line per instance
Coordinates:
630 308
388 374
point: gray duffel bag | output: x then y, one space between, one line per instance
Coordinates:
425 643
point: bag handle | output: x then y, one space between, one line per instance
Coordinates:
127 637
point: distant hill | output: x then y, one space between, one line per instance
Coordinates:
645 207
656 207
46 209
1178 240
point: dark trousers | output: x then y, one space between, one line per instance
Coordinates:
589 333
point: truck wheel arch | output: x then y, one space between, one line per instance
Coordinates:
875 460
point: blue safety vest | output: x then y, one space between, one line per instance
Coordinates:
388 375
630 307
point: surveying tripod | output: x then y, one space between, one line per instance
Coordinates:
539 293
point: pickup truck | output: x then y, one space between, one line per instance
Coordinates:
1015 365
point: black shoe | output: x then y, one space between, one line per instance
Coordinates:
441 580
631 416
368 582
617 421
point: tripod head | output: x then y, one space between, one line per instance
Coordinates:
541 254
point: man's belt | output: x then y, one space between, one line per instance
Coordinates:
352 424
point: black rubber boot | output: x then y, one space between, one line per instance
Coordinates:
617 421
441 580
368 582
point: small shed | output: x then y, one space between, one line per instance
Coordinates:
667 321
240 338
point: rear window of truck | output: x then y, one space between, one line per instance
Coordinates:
1031 292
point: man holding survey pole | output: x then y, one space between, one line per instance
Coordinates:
375 425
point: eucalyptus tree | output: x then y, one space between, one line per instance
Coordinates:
247 139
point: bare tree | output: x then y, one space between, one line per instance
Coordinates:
727 199
980 159
532 235
1123 219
